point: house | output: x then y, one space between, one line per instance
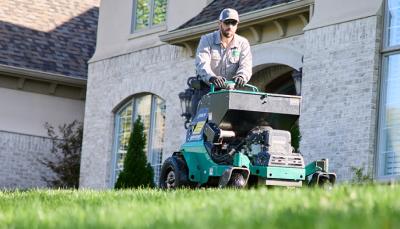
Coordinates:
344 51
44 49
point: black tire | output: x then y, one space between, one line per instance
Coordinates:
237 181
174 174
324 181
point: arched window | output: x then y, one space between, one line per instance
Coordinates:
151 109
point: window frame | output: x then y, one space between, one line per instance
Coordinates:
151 14
386 52
382 118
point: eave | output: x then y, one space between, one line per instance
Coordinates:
51 81
250 20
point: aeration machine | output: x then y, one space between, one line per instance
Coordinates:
241 138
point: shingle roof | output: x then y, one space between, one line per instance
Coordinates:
211 12
55 36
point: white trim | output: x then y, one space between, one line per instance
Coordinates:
148 31
114 150
36 74
151 130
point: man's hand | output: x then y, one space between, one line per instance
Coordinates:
218 81
239 81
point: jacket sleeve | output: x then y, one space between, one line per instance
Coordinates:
245 62
203 60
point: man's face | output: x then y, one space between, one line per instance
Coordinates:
228 27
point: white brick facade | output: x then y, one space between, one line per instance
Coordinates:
162 71
339 95
340 84
19 160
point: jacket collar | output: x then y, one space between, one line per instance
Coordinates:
217 39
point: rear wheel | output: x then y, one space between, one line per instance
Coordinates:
170 180
322 180
237 181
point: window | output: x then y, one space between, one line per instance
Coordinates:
389 112
151 109
148 14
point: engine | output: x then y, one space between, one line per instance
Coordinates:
263 145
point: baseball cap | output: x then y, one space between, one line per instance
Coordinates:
229 13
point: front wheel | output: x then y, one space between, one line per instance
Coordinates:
174 174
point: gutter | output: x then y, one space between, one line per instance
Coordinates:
246 19
41 75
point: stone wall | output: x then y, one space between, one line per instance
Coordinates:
19 163
339 106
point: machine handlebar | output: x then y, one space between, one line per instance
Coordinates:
230 85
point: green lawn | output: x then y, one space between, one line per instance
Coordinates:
343 207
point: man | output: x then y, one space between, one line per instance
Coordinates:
224 55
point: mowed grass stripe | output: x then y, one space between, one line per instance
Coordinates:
375 206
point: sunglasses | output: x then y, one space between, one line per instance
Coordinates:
230 22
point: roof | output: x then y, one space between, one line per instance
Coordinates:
51 36
212 11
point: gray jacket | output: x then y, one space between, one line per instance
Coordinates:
212 59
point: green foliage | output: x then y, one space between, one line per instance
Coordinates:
359 177
296 136
347 206
136 172
65 155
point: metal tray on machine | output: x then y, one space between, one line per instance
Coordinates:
241 110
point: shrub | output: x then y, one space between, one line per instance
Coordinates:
136 172
359 177
66 155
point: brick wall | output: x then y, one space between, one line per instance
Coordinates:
19 163
162 71
339 106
